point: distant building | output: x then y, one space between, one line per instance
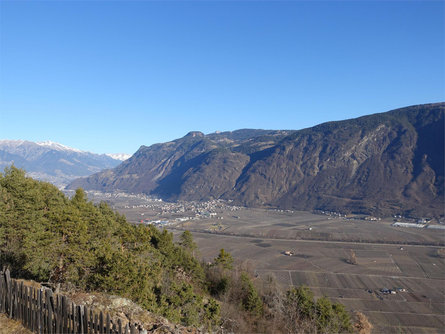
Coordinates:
436 227
399 224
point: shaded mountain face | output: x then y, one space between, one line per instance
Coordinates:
380 164
52 162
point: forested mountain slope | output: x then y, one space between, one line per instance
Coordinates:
379 164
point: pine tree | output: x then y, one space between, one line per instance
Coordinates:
251 301
224 259
186 241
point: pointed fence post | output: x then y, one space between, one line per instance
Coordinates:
40 311
74 321
119 326
91 325
50 306
80 320
101 322
96 325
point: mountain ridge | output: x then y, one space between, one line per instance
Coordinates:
52 162
378 164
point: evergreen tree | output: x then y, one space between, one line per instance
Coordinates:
187 242
250 301
224 259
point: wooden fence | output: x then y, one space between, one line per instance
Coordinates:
41 311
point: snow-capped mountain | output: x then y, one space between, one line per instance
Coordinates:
52 162
119 156
57 146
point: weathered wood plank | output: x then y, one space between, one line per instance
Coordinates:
31 308
14 300
50 308
85 320
91 325
58 321
107 324
74 320
79 317
43 315
40 311
64 315
101 322
91 322
2 292
119 326
20 301
96 326
27 307
19 315
9 288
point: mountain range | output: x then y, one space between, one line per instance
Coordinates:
380 164
53 162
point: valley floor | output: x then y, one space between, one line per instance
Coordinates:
323 267
405 260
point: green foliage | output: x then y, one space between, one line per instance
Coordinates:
324 313
48 237
250 301
180 304
342 318
301 300
221 286
186 241
328 317
224 259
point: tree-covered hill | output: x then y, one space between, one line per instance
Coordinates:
48 237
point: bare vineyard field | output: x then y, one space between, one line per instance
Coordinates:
387 257
322 267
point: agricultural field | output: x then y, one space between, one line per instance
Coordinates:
260 238
324 268
404 260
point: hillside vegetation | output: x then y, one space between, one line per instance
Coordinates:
48 237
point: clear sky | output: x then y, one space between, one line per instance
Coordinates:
110 76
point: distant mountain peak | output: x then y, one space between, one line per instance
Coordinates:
119 156
195 134
57 146
51 161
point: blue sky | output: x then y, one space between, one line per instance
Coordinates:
109 76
